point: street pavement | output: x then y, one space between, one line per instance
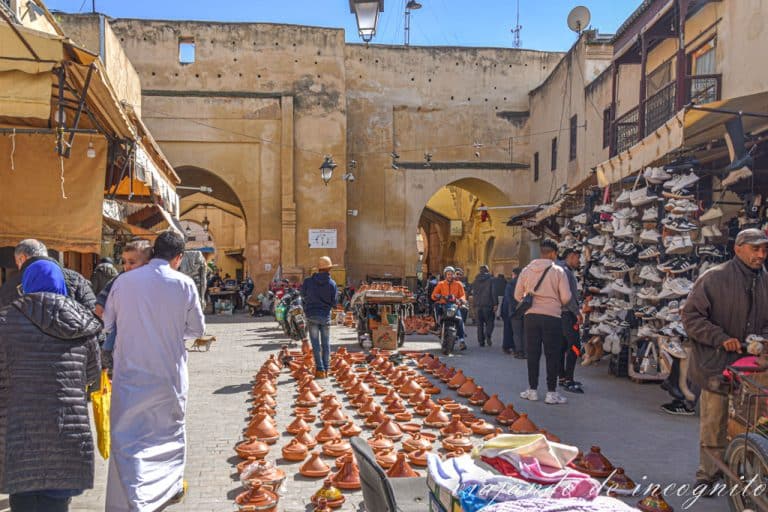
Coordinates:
621 417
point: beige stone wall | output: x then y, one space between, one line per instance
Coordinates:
742 37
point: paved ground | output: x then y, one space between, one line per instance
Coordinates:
621 417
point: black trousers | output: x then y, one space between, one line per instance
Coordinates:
38 502
509 334
543 333
485 323
570 339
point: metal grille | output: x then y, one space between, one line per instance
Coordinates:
627 133
748 405
659 108
705 89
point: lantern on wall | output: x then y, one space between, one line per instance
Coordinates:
367 15
326 169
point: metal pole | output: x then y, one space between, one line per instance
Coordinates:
407 36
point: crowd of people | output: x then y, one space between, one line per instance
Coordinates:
54 334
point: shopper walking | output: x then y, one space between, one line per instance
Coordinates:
513 325
547 284
499 285
319 292
728 303
104 272
571 319
154 309
485 301
48 354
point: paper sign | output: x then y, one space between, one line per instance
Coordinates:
322 239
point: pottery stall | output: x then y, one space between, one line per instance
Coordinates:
409 407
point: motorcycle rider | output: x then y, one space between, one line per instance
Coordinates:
451 287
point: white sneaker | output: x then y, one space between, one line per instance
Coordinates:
530 394
623 197
650 214
648 293
650 236
686 180
641 197
656 175
619 286
554 398
598 240
580 218
737 175
625 213
649 273
713 213
627 231
684 206
649 253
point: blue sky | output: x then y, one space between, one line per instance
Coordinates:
438 22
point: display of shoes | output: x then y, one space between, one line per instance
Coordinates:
649 236
656 175
649 253
713 214
735 176
648 273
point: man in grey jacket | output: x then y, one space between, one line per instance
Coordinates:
728 303
572 319
485 301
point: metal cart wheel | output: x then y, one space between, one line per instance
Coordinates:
747 458
400 332
361 330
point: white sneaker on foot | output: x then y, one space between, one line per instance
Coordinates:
553 397
530 394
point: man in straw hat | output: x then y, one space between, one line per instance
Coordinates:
319 292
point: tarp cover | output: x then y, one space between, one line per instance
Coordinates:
31 193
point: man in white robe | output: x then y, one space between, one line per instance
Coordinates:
154 309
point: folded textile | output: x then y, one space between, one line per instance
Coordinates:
558 483
477 494
556 455
599 504
452 472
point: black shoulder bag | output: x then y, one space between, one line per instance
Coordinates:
527 301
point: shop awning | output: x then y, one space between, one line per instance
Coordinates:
129 228
703 126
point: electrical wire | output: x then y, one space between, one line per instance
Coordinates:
63 194
13 149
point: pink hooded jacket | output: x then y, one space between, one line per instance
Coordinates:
553 293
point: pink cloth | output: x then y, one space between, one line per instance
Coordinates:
567 483
599 504
553 293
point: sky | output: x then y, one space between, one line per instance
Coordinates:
485 23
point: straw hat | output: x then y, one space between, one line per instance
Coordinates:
325 263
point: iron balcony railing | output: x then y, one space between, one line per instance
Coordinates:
704 88
626 130
659 108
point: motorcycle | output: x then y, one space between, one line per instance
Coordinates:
289 313
448 322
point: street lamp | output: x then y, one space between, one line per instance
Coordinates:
412 5
367 14
326 170
206 223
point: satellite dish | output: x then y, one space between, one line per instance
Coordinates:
578 19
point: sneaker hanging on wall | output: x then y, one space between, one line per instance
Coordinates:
713 214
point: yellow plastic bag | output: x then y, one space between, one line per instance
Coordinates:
101 400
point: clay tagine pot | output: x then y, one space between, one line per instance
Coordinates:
314 467
456 426
550 436
375 418
493 405
380 442
380 389
410 388
307 399
332 495
297 426
447 375
263 399
418 458
619 484
457 380
367 408
327 433
252 449
264 385
401 468
392 396
508 416
321 506
493 434
266 472
335 417
437 418
523 425
307 439
416 442
389 429
456 441
425 407
337 448
386 458
348 477
468 388
395 407
654 502
247 462
479 397
418 397
403 416
328 402
295 451
595 464
482 428
350 430
309 383
360 400
257 498
410 428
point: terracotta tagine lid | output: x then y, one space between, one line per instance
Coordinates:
360 400
423 360
493 434
437 418
425 407
418 397
307 439
409 388
329 402
307 399
392 396
348 477
321 506
252 448
327 433
432 365
264 385
522 425
350 430
457 380
458 452
455 441
380 389
654 502
508 416
479 397
386 458
263 399
595 464
380 442
263 429
403 416
456 426
314 467
619 483
368 408
493 405
332 495
375 418
311 384
401 468
335 417
447 375
257 497
337 448
266 472
468 388
395 407
390 429
550 436
417 442
247 462
410 428
482 428
295 451
418 458
297 426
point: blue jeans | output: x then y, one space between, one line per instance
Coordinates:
320 337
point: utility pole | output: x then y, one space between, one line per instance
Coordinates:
516 42
411 5
93 6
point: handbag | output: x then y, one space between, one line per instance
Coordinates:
527 301
101 400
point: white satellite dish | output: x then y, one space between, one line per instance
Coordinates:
578 19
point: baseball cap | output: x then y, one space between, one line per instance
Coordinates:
751 236
548 243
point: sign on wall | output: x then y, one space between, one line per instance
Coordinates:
322 239
456 228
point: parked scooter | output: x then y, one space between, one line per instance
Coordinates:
447 317
289 313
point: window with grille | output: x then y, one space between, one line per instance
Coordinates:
186 50
554 153
607 127
573 139
536 166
